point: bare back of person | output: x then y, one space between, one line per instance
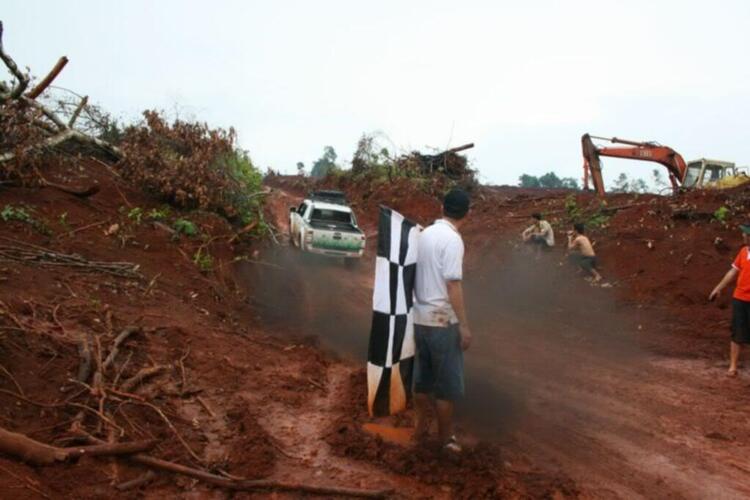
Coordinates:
582 244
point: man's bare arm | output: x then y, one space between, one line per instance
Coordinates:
456 296
573 243
731 275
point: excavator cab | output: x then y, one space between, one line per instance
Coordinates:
704 173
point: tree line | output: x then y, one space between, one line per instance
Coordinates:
622 184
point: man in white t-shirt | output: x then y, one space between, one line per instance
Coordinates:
539 234
441 331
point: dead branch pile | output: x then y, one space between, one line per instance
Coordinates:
34 255
449 163
29 130
191 165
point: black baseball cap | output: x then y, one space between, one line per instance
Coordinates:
456 203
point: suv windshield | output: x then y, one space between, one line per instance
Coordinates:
324 215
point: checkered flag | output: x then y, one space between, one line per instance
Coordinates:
390 358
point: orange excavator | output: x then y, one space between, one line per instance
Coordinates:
702 173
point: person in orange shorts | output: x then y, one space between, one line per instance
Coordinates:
740 300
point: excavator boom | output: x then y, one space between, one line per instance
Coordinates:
645 151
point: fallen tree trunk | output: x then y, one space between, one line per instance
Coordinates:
37 453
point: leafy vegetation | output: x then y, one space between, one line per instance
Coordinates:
722 215
548 180
158 214
25 215
135 214
324 165
625 185
203 260
593 219
186 227
190 165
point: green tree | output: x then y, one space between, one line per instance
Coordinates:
621 184
625 185
550 180
325 164
528 181
638 186
301 168
659 181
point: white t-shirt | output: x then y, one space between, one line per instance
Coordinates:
545 231
439 259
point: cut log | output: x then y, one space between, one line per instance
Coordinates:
29 450
47 80
37 453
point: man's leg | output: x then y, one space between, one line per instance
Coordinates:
445 419
422 405
596 275
734 355
424 381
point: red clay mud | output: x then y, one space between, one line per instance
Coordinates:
573 390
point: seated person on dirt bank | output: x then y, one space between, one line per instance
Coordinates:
581 251
441 331
540 233
740 300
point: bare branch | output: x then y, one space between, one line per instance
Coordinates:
41 86
78 110
23 80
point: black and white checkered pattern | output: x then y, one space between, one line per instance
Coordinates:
390 359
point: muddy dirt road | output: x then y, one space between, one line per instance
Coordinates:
559 373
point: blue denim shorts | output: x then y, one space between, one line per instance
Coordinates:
439 365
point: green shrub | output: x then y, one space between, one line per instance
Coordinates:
186 227
203 260
135 214
722 215
25 215
158 214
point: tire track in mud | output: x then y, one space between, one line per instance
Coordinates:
630 431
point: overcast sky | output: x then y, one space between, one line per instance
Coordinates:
522 80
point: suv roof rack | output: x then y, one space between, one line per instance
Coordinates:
329 196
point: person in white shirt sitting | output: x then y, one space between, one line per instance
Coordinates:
539 234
